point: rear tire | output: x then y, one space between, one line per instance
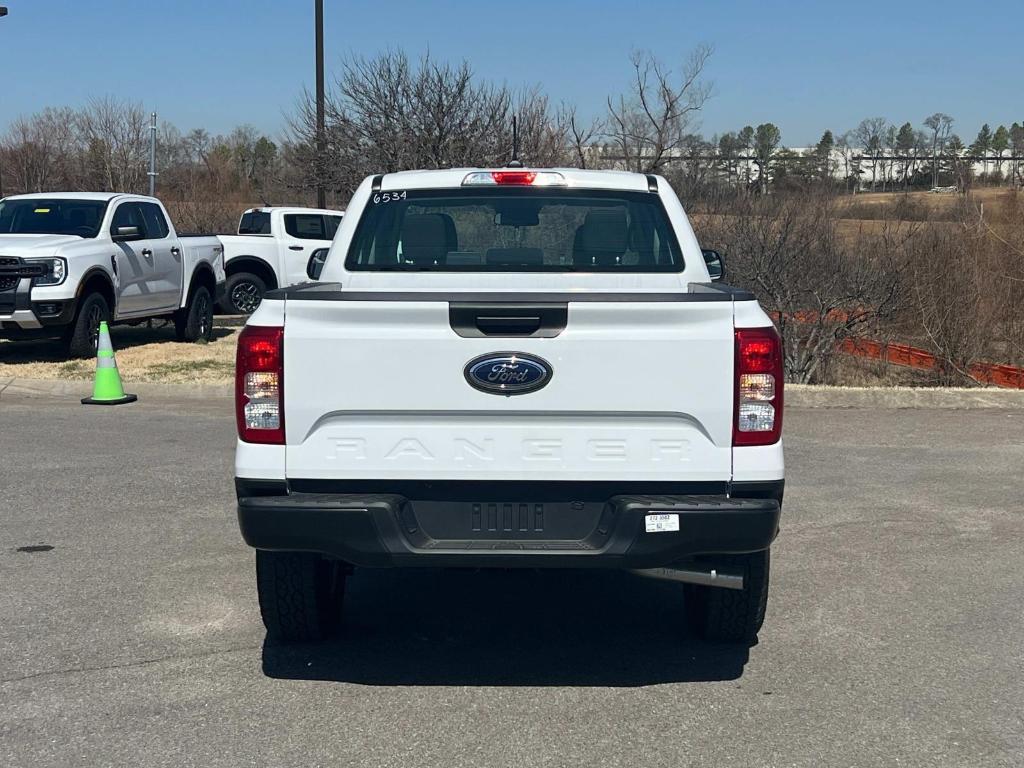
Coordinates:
243 293
300 595
731 615
82 336
195 321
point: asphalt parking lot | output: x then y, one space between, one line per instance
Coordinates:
130 632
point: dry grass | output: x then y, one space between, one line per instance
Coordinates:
934 202
143 354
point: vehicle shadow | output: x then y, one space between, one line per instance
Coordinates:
509 628
123 337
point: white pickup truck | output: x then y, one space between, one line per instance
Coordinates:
71 259
511 368
271 250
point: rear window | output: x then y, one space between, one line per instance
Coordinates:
254 223
515 230
306 226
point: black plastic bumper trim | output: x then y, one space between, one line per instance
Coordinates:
381 530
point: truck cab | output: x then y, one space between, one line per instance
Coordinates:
271 250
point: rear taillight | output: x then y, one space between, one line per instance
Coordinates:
757 416
259 385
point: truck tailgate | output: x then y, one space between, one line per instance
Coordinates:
640 389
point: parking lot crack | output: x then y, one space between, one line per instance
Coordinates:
128 664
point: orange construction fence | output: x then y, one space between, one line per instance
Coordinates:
1007 376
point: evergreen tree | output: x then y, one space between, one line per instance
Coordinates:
823 155
1000 143
982 146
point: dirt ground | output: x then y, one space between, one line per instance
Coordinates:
143 354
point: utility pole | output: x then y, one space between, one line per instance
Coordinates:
321 138
152 155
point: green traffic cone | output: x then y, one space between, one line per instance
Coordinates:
107 389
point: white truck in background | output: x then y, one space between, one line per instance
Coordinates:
271 250
69 260
511 368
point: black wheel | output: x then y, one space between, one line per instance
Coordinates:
195 321
83 335
244 293
731 615
300 595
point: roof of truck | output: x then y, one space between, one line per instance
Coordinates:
105 196
294 209
574 177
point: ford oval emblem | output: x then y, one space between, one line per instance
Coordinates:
508 373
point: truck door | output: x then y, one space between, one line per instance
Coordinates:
133 259
303 234
166 280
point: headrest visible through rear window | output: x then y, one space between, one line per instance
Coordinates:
510 257
425 238
602 238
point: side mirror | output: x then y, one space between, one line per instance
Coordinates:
124 234
715 263
316 262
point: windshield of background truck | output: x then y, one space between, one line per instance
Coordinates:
515 230
51 217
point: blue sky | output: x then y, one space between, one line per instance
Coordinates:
219 63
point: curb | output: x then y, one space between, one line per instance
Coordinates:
797 395
980 398
61 388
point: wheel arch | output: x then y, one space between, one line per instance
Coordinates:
202 275
96 280
254 265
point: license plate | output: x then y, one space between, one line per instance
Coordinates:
662 523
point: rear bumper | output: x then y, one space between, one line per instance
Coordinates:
388 529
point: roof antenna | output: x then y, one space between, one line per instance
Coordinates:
514 162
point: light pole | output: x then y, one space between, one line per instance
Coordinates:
3 12
152 155
321 139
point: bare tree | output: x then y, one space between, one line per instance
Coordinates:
952 293
822 286
870 135
941 126
649 125
845 147
42 151
581 136
389 114
115 134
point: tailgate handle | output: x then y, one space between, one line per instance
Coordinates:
471 320
513 326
